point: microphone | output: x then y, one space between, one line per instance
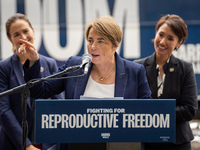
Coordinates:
86 59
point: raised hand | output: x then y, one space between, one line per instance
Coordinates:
29 51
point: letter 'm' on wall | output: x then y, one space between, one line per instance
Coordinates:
126 13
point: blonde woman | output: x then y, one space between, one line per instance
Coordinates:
109 75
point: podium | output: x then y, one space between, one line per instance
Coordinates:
104 121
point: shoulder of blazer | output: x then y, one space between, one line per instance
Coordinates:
141 61
9 59
123 65
7 63
73 60
149 60
182 64
45 59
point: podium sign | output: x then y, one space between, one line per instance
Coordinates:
94 121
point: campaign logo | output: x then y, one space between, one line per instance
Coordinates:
105 135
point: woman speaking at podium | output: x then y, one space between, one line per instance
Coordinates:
109 75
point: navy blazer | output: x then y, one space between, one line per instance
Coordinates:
179 84
11 75
130 80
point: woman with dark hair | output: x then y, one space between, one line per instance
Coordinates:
18 27
172 78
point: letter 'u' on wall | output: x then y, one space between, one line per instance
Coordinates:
74 28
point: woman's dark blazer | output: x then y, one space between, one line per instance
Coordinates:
179 84
11 75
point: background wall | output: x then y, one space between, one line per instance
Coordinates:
60 26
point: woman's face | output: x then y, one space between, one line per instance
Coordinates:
20 29
165 41
102 52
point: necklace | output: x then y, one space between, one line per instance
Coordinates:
101 78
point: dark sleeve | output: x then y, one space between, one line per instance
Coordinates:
45 89
53 68
33 73
185 111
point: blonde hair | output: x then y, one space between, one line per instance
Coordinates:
107 28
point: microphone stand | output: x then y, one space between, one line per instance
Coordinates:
25 93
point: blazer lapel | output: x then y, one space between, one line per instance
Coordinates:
17 67
120 77
152 74
171 76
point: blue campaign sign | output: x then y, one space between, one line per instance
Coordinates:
60 26
89 121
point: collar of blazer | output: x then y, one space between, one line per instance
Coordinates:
17 67
120 74
171 72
